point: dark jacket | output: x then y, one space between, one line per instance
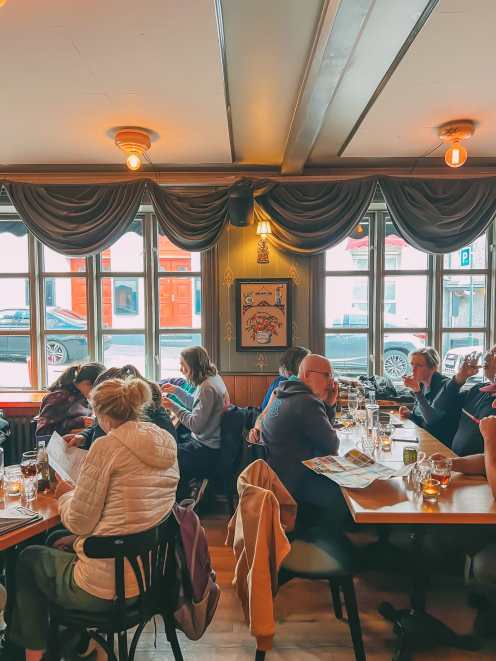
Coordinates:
435 420
467 439
62 411
159 417
296 427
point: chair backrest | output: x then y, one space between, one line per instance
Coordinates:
151 555
234 422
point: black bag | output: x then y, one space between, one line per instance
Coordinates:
5 430
384 388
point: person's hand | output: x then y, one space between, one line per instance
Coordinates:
468 368
168 388
74 440
62 487
487 428
166 402
404 412
88 421
438 456
65 543
332 397
410 383
254 435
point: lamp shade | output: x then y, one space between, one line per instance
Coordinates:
263 227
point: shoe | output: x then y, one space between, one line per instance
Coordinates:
86 646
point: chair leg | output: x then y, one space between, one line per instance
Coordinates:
53 646
134 641
170 632
336 599
122 639
353 617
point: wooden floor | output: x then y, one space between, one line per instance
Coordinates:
305 629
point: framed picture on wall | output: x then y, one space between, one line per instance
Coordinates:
263 314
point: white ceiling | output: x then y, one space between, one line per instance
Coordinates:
448 73
72 70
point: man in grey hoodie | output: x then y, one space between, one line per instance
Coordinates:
297 425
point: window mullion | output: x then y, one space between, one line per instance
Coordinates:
150 241
377 293
94 345
35 307
491 286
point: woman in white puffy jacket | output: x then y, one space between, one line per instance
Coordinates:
127 484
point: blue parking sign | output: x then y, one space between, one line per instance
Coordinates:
465 256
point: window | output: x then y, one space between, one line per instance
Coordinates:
376 316
96 308
179 303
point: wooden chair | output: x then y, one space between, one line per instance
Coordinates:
153 550
317 557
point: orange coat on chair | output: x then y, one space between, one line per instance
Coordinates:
257 533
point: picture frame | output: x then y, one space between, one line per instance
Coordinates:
263 314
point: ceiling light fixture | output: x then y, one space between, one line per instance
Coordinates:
134 142
452 133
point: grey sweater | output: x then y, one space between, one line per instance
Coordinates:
206 405
296 427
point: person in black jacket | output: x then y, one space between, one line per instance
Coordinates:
154 412
470 405
426 382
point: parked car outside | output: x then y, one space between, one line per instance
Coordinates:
348 352
60 349
454 358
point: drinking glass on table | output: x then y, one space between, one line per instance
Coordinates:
13 481
353 402
29 464
441 470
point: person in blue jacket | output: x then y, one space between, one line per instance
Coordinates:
288 366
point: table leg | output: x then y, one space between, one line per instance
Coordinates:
415 627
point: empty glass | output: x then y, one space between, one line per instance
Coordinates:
29 487
13 481
353 402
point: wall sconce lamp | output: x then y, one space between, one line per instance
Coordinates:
263 229
452 133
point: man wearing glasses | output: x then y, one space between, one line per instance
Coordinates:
297 425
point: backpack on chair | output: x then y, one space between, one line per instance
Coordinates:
198 592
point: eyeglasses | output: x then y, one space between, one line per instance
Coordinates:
328 374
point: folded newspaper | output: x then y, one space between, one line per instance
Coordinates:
65 460
355 470
16 516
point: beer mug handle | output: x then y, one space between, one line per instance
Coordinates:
421 456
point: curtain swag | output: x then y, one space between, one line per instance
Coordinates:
434 215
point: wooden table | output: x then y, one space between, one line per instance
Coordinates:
45 504
467 500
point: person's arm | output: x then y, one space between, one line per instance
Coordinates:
430 414
196 419
471 465
81 509
488 431
449 398
319 432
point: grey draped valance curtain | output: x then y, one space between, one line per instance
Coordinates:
77 220
309 218
434 215
439 215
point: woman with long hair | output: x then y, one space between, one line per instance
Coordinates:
199 412
127 484
65 407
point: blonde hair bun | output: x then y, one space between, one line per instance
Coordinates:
121 399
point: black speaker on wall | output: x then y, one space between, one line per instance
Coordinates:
240 205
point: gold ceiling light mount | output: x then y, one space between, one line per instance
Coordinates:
134 141
453 133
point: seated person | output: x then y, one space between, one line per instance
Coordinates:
200 413
470 405
127 484
152 412
297 425
178 381
288 366
426 382
65 407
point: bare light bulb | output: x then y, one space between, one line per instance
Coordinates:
133 161
456 155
